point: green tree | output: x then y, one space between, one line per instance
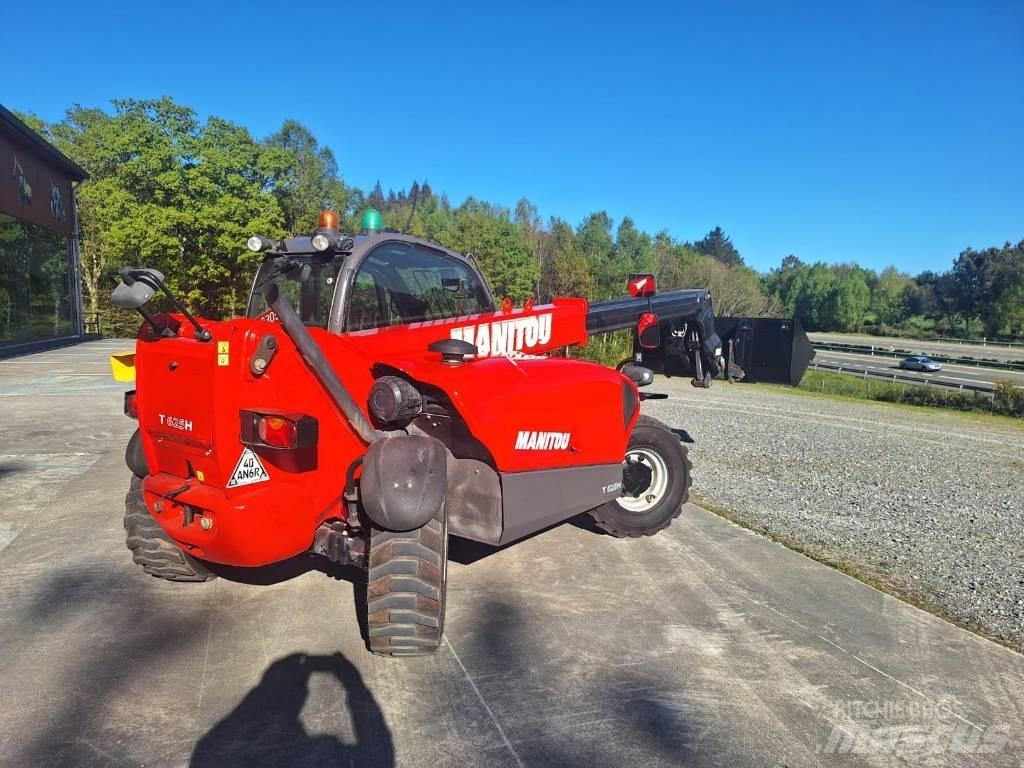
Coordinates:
310 182
735 291
849 302
489 233
169 192
564 270
634 252
594 241
719 247
888 299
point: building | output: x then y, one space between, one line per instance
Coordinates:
40 281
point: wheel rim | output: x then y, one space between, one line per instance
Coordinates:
648 497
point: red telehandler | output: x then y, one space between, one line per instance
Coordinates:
375 400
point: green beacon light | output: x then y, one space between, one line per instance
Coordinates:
372 223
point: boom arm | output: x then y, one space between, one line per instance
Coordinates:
685 316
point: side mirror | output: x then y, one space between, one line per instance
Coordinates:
648 331
637 374
641 286
453 284
137 286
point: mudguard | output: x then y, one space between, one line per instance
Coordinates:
403 481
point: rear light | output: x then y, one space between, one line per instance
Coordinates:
131 405
278 430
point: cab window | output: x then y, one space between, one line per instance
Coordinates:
307 283
400 283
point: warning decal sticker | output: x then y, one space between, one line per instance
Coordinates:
248 470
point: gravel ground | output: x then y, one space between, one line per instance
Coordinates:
928 503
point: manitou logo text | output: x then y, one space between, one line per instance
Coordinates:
542 441
176 422
506 337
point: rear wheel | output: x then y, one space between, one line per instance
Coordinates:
655 483
152 548
406 589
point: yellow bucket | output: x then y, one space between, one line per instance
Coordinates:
122 365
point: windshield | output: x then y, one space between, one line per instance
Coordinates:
307 282
406 283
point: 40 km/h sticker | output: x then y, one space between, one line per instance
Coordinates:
248 470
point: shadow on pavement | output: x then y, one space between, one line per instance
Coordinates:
297 566
265 728
10 468
633 716
467 552
286 570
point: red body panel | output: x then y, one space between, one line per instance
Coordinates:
504 397
531 413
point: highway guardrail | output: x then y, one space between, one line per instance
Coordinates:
981 342
897 378
885 352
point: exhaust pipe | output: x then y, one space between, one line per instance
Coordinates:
314 357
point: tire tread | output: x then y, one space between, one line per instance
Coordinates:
406 589
152 548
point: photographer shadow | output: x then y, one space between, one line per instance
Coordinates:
265 728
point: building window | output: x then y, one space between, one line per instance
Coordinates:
35 282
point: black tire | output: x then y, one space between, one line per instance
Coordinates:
405 589
152 548
651 436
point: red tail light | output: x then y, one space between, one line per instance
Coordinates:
131 407
278 430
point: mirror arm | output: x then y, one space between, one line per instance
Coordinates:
148 317
201 333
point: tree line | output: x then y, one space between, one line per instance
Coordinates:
181 194
981 295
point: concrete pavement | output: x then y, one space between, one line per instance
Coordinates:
705 645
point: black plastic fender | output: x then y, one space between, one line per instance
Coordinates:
135 457
403 481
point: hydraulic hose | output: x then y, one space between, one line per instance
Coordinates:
317 363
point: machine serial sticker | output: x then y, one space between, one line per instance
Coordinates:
543 441
248 470
507 337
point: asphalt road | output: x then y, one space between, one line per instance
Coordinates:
949 348
703 646
952 374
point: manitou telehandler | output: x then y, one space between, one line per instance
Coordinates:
375 400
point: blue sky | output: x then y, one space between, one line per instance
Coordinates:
876 132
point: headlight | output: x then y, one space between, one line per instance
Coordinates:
258 243
321 242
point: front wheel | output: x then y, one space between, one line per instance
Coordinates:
655 483
408 573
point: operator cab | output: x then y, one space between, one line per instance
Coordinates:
374 280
